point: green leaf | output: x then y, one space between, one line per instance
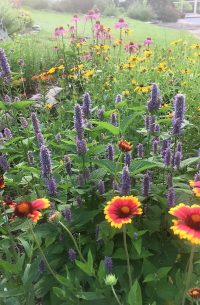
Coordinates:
90 296
137 245
139 166
98 174
8 267
163 271
189 161
60 293
12 292
84 267
109 165
2 106
22 104
90 261
135 295
113 129
101 272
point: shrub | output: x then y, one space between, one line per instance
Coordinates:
37 4
141 12
112 10
165 10
73 5
14 20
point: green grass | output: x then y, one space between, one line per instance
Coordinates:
49 20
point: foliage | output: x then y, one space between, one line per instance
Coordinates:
165 10
185 6
72 255
36 4
141 12
14 20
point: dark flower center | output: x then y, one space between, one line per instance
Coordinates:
193 221
22 209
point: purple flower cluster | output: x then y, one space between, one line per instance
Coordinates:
78 121
101 187
67 214
118 98
140 150
72 255
110 152
4 163
146 184
127 158
5 67
68 164
178 118
108 264
126 181
113 119
30 157
87 105
155 100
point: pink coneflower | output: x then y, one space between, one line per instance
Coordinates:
87 57
71 29
92 15
131 47
75 19
97 25
121 24
59 31
148 41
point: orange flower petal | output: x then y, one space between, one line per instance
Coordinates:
40 204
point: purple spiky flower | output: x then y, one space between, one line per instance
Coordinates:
146 185
126 181
78 121
45 161
87 105
110 152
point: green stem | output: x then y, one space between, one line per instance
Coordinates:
189 273
127 256
115 295
74 241
42 253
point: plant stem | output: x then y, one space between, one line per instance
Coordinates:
74 241
41 252
127 256
115 295
189 273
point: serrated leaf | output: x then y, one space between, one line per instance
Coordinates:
139 166
113 129
189 161
98 174
109 165
135 295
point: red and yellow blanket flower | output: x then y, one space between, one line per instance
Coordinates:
30 209
195 187
187 226
2 184
125 146
120 210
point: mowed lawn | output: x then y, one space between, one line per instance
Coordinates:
49 20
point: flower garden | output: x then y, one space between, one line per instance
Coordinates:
100 181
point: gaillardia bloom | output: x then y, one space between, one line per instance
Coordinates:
195 187
2 184
194 293
124 145
120 210
187 226
30 209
